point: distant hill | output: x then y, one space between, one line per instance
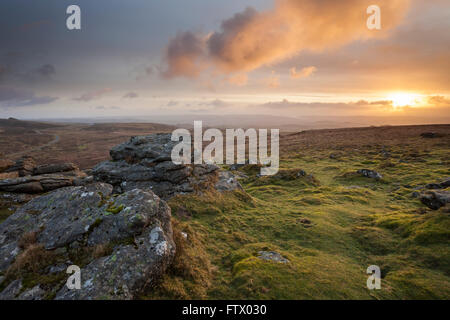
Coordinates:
13 123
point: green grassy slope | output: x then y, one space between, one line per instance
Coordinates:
331 228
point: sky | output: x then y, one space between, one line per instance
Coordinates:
293 58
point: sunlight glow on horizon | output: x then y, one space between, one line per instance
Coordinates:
404 99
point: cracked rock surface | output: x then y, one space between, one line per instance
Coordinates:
134 226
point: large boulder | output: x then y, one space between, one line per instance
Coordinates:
135 227
145 162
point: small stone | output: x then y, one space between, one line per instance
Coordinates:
306 223
272 256
370 174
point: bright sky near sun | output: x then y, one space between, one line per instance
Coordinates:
277 57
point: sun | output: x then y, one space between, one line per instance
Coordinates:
403 99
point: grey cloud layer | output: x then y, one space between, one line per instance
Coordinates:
13 97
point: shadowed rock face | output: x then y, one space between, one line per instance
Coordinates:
145 162
135 225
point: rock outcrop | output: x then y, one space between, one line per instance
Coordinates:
434 195
5 164
116 229
23 166
439 185
39 184
435 199
26 177
145 162
133 231
54 168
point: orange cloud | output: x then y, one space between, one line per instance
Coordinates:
251 39
273 81
303 73
240 79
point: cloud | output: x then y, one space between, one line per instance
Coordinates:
439 101
183 55
3 69
251 39
12 97
42 73
239 79
216 103
34 25
303 73
92 95
286 104
130 95
427 106
172 103
107 108
144 72
273 81
46 70
13 68
204 105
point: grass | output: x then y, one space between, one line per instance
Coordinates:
328 221
354 222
